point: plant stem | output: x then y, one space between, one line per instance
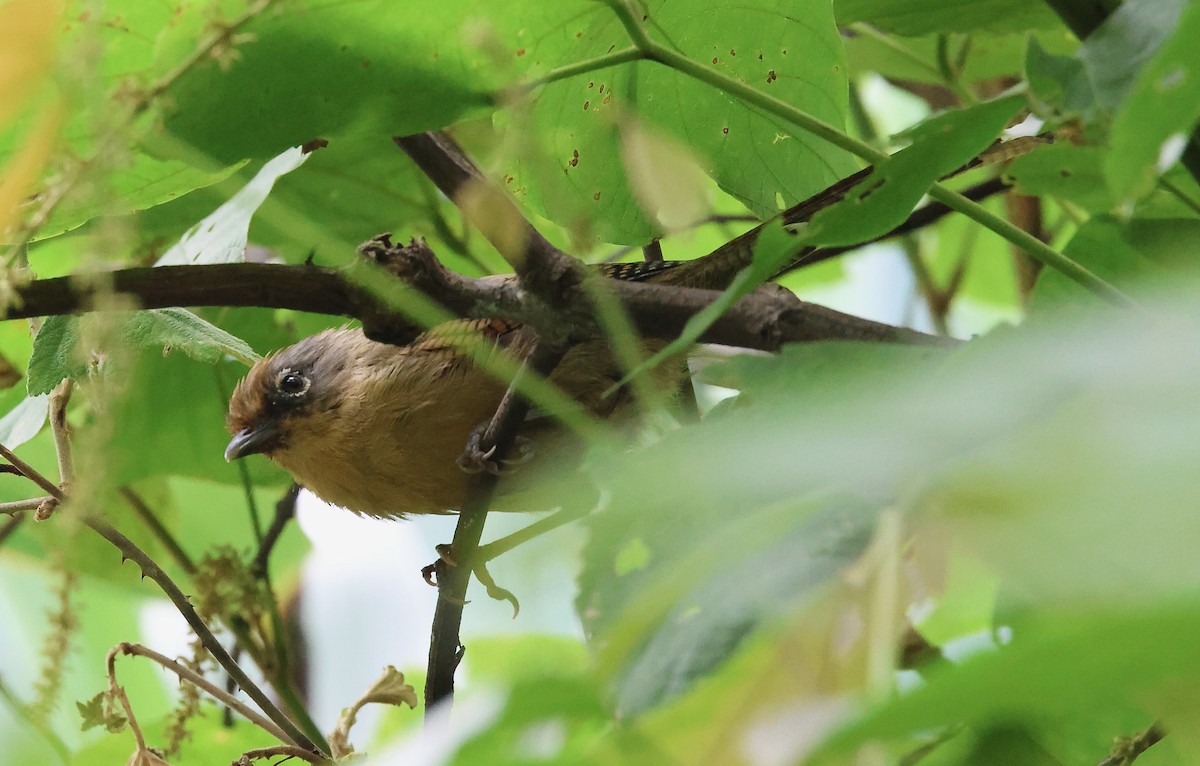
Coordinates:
823 130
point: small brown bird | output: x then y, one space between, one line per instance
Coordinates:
377 428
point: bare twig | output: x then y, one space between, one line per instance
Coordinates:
9 528
164 537
216 692
60 397
445 648
1127 749
281 751
21 506
117 691
154 572
285 511
31 473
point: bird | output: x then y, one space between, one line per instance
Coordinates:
377 428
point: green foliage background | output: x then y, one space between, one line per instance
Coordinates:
1026 502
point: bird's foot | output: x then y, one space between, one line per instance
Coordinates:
476 459
446 559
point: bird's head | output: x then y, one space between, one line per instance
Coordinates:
283 394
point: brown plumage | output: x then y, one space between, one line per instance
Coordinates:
378 428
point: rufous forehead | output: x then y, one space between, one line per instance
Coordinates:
250 398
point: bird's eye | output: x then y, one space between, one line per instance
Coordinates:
292 383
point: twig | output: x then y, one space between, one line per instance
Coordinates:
164 537
281 750
117 691
60 397
10 527
1128 749
216 692
21 506
31 473
445 648
154 572
285 511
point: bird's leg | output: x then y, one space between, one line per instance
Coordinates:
476 459
540 527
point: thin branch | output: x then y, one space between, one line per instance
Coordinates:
21 506
60 397
285 511
10 527
117 691
281 751
160 532
445 647
216 692
150 569
31 473
1128 749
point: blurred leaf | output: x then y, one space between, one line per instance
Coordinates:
787 49
663 626
324 69
882 201
1167 87
912 17
54 356
180 329
146 183
1073 173
1101 245
1053 668
28 32
167 397
1098 78
23 422
221 237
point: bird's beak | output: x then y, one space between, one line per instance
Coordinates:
250 440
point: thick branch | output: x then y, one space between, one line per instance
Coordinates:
658 311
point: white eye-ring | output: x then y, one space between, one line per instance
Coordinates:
292 383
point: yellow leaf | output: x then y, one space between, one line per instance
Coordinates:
27 35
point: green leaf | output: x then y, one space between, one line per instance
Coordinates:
146 183
179 329
913 17
1056 670
326 68
175 395
787 49
882 201
53 357
221 237
24 421
1098 78
1168 87
1061 170
1102 246
1059 84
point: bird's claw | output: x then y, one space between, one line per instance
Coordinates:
431 572
475 459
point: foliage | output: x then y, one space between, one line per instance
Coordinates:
870 554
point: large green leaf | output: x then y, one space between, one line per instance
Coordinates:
1169 88
888 195
913 17
324 68
575 174
146 183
